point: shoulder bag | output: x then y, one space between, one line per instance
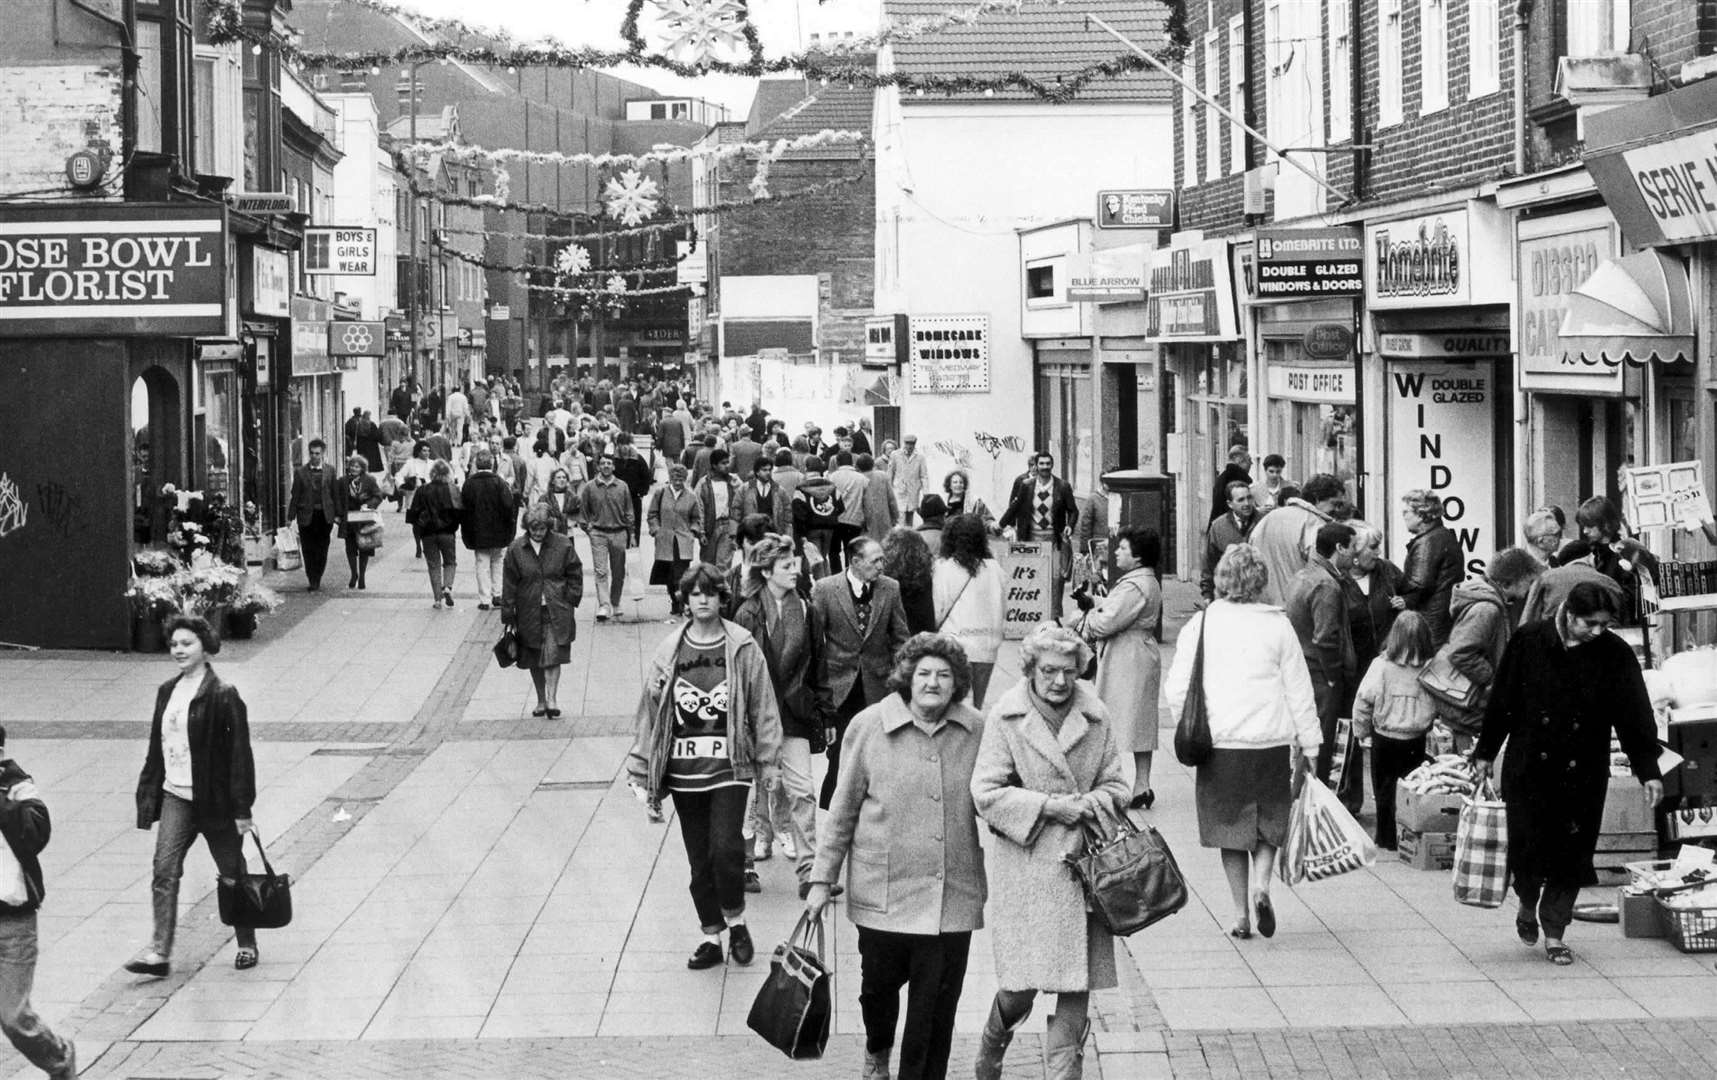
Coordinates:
256 901
1130 878
1193 744
1445 682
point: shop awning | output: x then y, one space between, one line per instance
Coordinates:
1637 309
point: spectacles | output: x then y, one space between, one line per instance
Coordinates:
1058 672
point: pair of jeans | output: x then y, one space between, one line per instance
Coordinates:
314 538
710 824
769 812
801 798
1391 759
932 967
487 566
1552 902
441 555
33 1038
174 833
608 556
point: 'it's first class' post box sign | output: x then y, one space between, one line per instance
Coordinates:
1027 581
118 269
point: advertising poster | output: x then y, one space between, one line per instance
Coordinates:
1442 438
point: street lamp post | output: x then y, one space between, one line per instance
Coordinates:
411 187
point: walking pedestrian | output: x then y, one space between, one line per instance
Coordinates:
487 525
762 495
708 727
1286 536
967 588
605 510
1123 628
718 500
312 505
1480 611
24 821
198 778
676 525
1622 559
910 475
863 624
1226 531
1258 697
1048 763
457 409
637 474
960 499
367 441
904 824
817 510
1564 684
880 509
1433 565
908 560
542 582
1042 508
561 502
1238 470
412 477
1392 712
434 518
358 491
1267 492
932 519
1317 608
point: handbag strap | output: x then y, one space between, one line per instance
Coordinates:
267 867
805 931
956 602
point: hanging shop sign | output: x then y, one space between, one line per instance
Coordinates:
116 268
1452 258
1442 438
949 354
1309 263
1135 209
1556 256
1307 383
1191 294
1456 344
885 340
310 355
693 265
339 250
1328 341
500 313
1655 163
270 291
357 339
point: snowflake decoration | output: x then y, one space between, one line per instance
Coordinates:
573 259
616 283
632 198
503 185
695 29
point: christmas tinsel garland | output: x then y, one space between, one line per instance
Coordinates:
682 216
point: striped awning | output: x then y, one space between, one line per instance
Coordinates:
1637 310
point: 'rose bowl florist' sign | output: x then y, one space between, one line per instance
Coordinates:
119 269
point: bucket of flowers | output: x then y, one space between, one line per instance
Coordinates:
253 601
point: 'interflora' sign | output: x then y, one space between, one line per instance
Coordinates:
116 269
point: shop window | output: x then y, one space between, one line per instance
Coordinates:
1217 414
1040 282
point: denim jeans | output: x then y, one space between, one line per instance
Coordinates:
174 833
710 824
608 560
790 807
34 1039
441 553
488 570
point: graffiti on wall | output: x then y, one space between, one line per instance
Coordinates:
962 456
995 444
14 512
64 510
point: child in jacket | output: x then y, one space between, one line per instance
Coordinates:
1392 713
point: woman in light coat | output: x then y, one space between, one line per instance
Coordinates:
675 521
966 586
1258 697
1123 626
1047 765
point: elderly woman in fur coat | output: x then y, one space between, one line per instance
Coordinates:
1047 764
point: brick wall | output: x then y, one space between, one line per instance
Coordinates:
49 112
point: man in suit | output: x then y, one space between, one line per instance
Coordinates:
880 509
1041 507
762 495
747 452
311 505
863 624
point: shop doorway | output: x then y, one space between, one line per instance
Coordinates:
156 407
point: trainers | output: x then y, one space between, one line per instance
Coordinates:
739 944
149 962
447 595
760 850
706 955
752 884
789 848
602 613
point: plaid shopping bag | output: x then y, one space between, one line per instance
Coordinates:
1481 850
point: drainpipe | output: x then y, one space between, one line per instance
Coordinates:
1521 450
128 69
1522 16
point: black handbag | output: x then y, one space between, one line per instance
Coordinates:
256 901
506 650
792 1009
1130 877
1192 742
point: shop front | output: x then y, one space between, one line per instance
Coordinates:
1440 370
316 400
101 306
1191 316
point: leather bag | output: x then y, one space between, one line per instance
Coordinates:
256 901
1130 877
1193 744
792 1010
506 650
1445 682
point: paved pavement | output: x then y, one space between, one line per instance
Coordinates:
478 893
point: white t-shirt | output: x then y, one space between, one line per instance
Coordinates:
176 736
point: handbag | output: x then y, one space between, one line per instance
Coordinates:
1324 840
256 901
792 1009
1481 850
1130 878
506 650
1445 682
1193 744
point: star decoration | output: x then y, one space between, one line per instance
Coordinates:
616 283
631 198
573 259
694 30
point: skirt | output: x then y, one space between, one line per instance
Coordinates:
554 656
1243 798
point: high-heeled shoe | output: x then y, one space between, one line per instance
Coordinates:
1143 800
352 584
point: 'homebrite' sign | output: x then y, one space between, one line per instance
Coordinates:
116 269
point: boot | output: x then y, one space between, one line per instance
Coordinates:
1064 1050
876 1065
993 1044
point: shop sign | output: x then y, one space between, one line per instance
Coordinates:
1028 581
885 338
1549 268
310 337
357 339
264 202
1420 258
1327 384
270 283
500 313
1309 263
1112 276
1191 294
334 250
120 269
1442 438
693 266
949 354
1480 343
1135 209
1665 192
1328 341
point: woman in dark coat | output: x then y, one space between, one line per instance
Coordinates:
1433 562
434 519
1563 684
357 490
561 502
906 558
198 778
542 581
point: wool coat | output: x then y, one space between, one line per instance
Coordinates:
1129 663
1044 937
489 512
903 822
880 509
527 577
676 523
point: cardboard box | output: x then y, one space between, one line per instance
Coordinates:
1426 850
1638 914
1435 813
1625 808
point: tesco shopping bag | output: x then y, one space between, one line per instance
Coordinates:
1481 850
286 552
1324 840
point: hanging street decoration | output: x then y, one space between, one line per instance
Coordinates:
696 31
665 155
631 198
573 259
616 283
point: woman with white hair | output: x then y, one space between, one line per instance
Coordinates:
1259 702
1434 564
1048 762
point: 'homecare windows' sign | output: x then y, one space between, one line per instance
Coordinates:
119 269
